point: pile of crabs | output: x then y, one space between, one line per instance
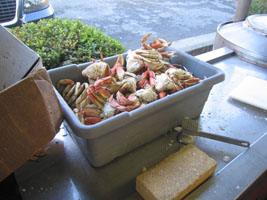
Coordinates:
147 76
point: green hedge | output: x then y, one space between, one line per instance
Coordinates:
60 42
258 7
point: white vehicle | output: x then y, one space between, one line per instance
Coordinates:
17 12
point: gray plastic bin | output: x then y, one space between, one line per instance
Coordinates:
111 138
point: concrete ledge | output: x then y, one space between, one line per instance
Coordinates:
196 45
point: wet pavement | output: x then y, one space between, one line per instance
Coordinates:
129 20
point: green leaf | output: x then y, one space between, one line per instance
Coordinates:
60 41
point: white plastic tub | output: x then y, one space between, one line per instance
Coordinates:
111 138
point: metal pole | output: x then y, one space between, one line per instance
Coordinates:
242 10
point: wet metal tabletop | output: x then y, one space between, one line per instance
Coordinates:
65 173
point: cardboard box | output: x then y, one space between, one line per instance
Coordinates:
30 112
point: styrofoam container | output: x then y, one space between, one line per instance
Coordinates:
111 138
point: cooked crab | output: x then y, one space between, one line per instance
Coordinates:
96 70
133 64
165 84
151 59
149 75
159 44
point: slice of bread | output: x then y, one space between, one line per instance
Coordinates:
177 175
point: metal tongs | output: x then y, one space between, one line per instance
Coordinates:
190 127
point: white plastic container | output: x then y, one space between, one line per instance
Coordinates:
111 138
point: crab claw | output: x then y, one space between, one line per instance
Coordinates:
144 39
122 100
117 69
150 75
122 108
152 80
160 44
142 83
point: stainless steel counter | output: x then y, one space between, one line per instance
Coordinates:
64 173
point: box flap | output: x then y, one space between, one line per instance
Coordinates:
16 59
30 117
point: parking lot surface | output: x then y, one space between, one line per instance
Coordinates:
129 20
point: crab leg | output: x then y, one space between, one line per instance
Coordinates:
83 95
78 91
64 82
150 54
78 88
92 95
191 81
132 106
92 120
104 92
69 93
144 39
67 82
167 54
84 103
104 81
90 112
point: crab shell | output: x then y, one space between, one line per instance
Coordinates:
96 71
164 83
151 59
147 94
179 74
133 65
128 84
